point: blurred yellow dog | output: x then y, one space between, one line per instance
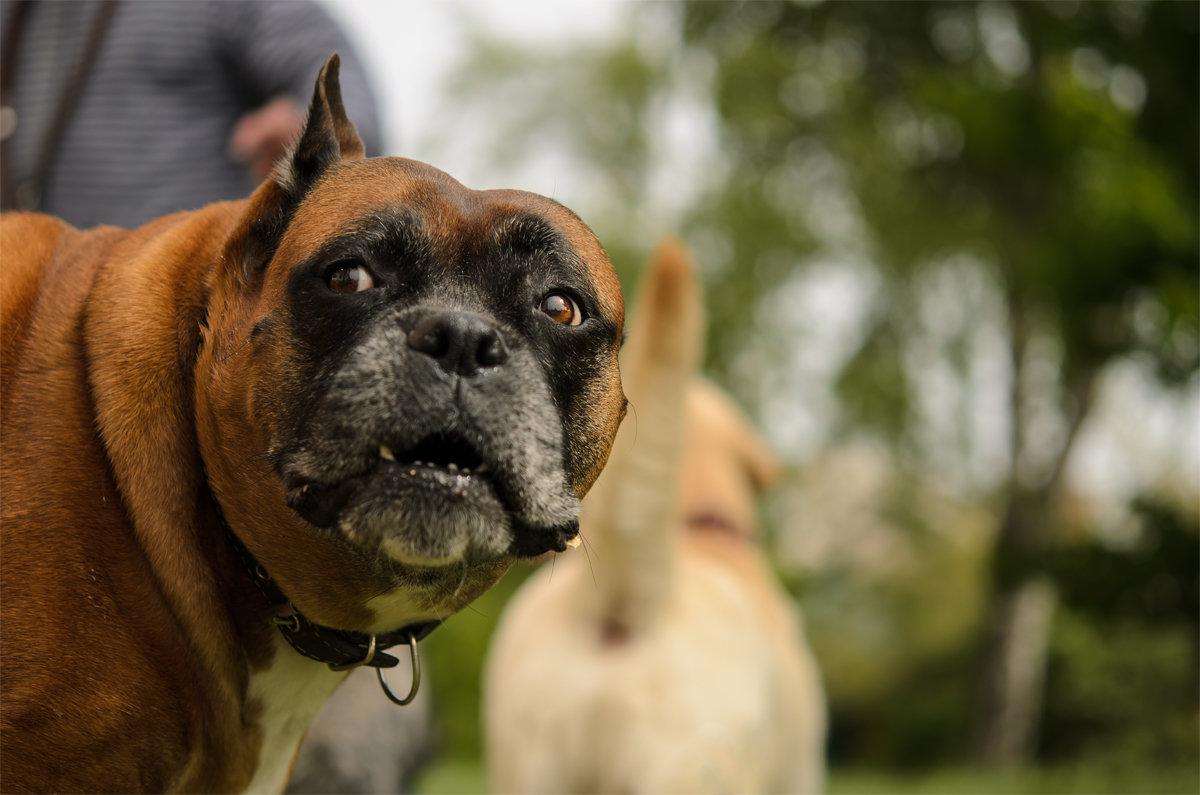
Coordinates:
668 658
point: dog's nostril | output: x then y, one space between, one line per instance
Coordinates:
491 351
462 343
430 338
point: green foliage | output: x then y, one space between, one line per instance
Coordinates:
1121 691
877 385
1091 779
1125 650
894 629
1074 198
1154 581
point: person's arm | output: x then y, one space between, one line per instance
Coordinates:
276 49
262 136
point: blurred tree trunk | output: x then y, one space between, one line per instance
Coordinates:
1015 637
1012 668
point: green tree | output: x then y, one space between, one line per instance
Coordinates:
1047 143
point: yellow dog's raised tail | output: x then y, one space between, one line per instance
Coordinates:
629 514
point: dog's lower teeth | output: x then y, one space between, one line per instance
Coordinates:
385 452
462 473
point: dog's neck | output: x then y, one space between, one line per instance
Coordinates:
305 671
341 650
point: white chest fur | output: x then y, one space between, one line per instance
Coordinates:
291 693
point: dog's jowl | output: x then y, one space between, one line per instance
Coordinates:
248 444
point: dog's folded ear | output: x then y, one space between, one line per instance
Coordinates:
327 138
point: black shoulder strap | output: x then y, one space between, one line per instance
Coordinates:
28 194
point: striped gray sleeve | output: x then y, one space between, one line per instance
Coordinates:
150 133
278 46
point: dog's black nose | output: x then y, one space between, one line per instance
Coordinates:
462 343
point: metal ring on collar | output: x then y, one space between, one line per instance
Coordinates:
290 622
416 675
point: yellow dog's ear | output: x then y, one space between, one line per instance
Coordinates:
328 137
760 460
737 432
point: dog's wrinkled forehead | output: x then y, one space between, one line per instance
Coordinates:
432 214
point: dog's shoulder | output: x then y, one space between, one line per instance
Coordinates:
46 270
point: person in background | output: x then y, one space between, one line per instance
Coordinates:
121 112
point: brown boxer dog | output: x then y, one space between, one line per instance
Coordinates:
246 444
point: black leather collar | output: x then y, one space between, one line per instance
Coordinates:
338 648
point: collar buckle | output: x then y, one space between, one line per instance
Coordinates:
364 661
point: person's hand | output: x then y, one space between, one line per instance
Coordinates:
262 136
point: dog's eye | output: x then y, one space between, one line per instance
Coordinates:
350 279
561 309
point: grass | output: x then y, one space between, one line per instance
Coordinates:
1031 781
458 777
453 777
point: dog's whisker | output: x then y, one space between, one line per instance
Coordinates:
462 583
475 609
223 360
587 551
